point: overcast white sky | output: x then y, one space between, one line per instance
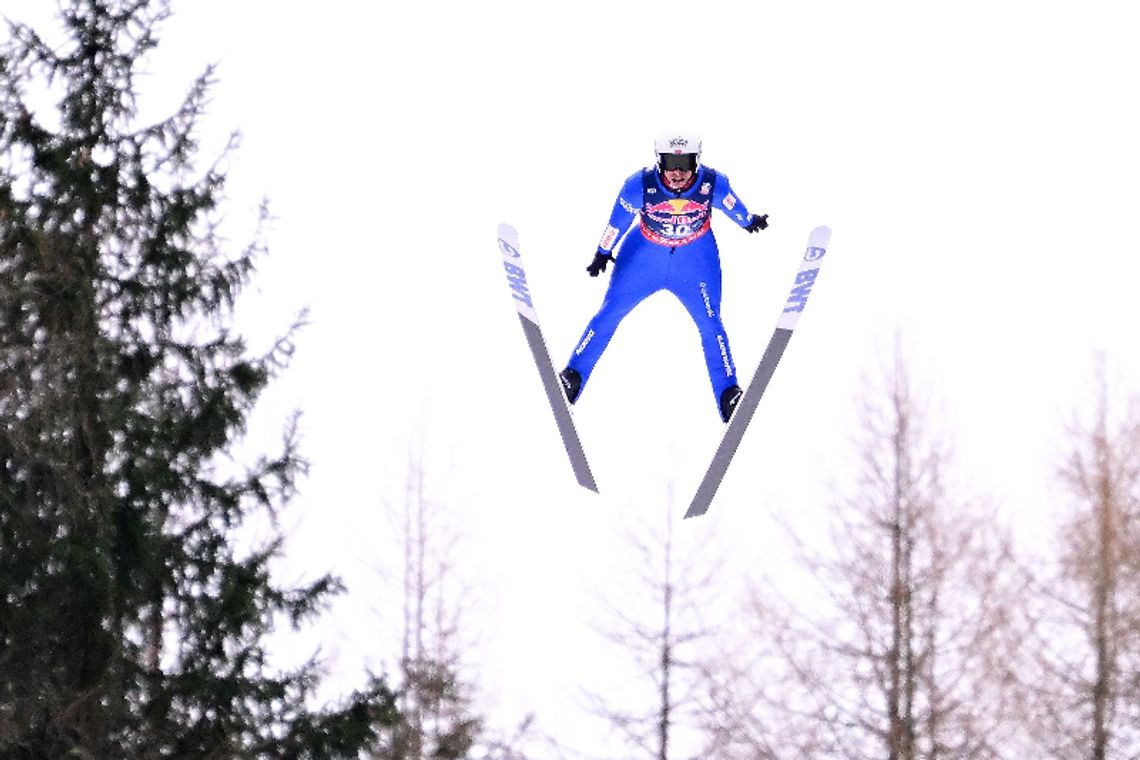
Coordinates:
976 161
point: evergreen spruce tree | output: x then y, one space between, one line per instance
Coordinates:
130 624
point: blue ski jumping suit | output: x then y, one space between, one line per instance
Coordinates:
673 249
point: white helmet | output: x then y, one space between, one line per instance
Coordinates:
685 145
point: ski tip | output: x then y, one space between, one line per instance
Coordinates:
820 237
508 242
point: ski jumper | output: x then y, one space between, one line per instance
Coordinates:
673 249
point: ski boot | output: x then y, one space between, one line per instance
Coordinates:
728 401
571 383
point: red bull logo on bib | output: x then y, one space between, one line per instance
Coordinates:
676 221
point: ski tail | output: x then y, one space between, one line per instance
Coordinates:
520 290
806 275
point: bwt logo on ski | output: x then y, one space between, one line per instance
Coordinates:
797 299
814 254
515 274
517 278
508 249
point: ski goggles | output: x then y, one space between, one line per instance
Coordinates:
670 162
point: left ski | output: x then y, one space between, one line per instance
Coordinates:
516 277
734 432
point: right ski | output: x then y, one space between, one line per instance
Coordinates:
516 278
734 432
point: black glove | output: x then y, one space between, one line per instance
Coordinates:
758 223
601 261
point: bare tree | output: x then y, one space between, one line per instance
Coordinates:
662 638
437 718
436 696
897 643
1089 698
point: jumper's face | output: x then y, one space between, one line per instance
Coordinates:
677 179
677 169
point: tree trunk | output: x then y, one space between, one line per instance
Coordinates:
1103 599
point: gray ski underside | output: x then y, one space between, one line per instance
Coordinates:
557 399
733 434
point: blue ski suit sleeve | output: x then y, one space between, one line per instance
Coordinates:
728 202
626 208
